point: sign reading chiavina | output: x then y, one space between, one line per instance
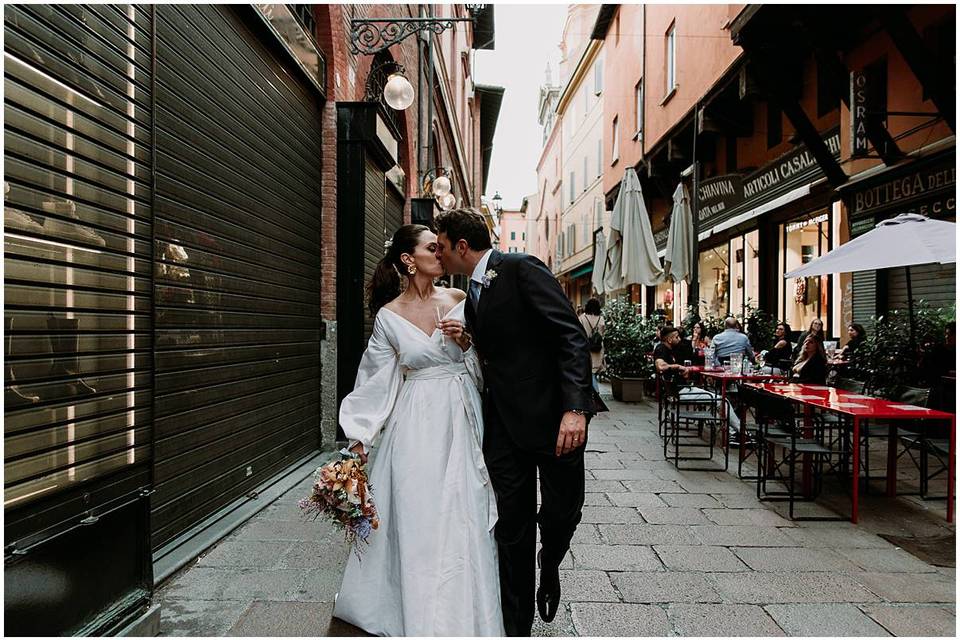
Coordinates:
724 196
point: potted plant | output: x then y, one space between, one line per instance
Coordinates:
627 341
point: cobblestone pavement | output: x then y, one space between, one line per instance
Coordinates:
659 552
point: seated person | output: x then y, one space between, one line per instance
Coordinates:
665 361
811 364
815 330
683 350
731 341
857 335
782 349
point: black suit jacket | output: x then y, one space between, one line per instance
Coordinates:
536 360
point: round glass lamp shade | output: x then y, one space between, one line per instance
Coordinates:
448 201
441 186
398 92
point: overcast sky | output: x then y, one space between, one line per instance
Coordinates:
527 37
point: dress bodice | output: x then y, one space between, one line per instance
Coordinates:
414 348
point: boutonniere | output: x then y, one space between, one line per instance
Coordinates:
488 278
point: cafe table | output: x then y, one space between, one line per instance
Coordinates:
860 407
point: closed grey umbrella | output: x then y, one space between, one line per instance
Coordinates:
678 258
599 262
631 250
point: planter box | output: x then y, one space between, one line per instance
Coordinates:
627 389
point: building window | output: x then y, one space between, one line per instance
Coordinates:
774 125
599 157
598 215
731 154
615 146
803 299
585 173
585 223
598 77
638 110
513 235
523 236
671 58
572 235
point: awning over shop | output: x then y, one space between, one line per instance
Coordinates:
582 271
490 100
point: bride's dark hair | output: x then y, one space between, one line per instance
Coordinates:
385 285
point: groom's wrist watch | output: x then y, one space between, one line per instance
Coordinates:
580 412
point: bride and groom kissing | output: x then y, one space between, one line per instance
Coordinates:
469 398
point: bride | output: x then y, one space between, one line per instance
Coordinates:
431 567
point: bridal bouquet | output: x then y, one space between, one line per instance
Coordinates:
342 494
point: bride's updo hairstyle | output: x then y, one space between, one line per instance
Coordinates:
385 285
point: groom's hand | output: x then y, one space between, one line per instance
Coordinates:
573 431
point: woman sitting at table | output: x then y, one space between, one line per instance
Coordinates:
782 349
815 330
811 364
698 342
857 335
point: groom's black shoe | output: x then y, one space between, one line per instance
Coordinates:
548 594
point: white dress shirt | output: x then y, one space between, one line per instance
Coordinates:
480 270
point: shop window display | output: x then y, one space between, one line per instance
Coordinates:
803 299
714 281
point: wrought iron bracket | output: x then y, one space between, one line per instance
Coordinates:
371 36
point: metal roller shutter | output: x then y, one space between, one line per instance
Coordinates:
864 282
77 227
374 230
238 273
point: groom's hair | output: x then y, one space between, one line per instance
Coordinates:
464 224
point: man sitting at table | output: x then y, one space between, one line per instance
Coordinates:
665 360
732 341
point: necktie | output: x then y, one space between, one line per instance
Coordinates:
474 293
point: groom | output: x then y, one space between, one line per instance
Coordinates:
537 401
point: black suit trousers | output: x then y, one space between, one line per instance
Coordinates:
513 473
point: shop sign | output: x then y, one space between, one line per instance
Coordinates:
725 196
929 192
858 115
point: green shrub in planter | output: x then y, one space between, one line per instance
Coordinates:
627 340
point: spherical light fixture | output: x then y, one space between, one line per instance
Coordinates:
448 201
398 92
441 186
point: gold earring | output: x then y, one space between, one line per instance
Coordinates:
412 270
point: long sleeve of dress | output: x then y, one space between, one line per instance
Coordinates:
472 362
364 412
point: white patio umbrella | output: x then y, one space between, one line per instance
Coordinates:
678 257
631 251
599 262
908 239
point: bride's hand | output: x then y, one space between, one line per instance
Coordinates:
454 329
358 449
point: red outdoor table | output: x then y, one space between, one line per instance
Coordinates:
860 407
724 378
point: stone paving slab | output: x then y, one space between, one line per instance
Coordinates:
671 586
284 619
619 620
824 620
587 586
759 517
914 620
615 557
799 559
789 587
741 535
611 515
647 534
695 500
673 515
892 560
629 499
209 583
699 558
910 587
721 620
265 554
189 616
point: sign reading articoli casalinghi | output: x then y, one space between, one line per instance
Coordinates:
722 197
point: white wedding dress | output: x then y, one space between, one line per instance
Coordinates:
431 567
